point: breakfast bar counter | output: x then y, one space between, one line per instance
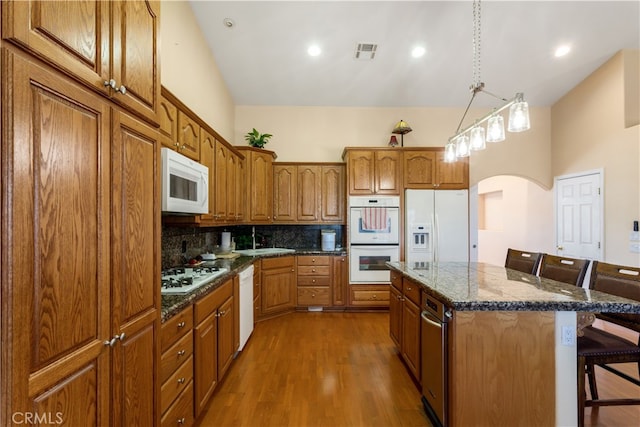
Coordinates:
485 287
503 351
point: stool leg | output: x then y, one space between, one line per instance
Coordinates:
593 387
582 393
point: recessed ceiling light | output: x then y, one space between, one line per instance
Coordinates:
417 51
562 50
314 50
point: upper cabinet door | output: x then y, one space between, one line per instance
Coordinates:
361 171
387 172
97 42
452 176
419 168
333 198
74 35
188 136
135 55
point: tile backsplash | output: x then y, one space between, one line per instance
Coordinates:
181 243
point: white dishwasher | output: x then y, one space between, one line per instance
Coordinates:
246 305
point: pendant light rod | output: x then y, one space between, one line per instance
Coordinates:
518 98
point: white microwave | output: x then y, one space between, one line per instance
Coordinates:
185 184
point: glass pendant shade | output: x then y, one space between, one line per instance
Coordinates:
476 139
462 146
495 129
450 152
519 117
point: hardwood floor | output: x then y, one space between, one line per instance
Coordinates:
318 369
341 369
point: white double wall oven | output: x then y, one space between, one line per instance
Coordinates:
374 238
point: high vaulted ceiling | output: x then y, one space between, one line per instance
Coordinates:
263 55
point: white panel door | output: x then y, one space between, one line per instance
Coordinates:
579 216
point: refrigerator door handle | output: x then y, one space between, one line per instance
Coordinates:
436 236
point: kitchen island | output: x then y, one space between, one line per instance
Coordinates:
505 361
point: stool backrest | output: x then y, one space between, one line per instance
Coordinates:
621 281
527 262
563 269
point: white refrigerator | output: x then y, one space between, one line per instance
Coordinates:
436 226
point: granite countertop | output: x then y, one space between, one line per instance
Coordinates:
485 287
172 304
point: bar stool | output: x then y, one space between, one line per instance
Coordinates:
526 262
602 348
563 269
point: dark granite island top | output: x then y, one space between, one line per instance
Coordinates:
485 287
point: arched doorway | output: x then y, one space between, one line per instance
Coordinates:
508 211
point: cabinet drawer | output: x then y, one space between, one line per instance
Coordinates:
176 383
175 356
314 281
176 327
369 297
212 301
319 270
277 262
411 290
180 413
314 296
313 260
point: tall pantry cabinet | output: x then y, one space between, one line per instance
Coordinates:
80 214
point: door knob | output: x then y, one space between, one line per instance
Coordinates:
560 248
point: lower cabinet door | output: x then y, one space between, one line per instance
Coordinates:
206 360
395 317
226 341
411 337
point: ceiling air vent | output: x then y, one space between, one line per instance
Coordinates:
366 50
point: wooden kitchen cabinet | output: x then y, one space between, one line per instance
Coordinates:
278 282
373 171
83 316
369 296
168 121
213 342
395 309
332 193
176 369
309 193
188 136
285 193
314 280
340 280
411 339
96 42
259 183
426 169
404 321
309 189
208 159
256 291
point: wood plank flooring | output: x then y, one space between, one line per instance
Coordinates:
342 369
318 369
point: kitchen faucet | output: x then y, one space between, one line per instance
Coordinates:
253 237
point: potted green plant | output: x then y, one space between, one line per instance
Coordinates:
257 139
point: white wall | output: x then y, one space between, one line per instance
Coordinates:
189 71
513 213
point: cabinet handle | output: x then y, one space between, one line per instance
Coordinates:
313 260
374 296
122 89
181 325
181 380
181 353
114 85
181 421
342 260
313 280
110 342
313 270
292 269
313 295
120 337
183 146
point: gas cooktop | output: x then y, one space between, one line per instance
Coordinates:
182 280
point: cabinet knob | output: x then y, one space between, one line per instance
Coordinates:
313 280
110 342
313 260
181 380
313 295
313 270
110 83
122 89
181 421
181 353
292 269
120 337
374 296
181 325
408 288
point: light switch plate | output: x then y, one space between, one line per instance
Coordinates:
634 236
